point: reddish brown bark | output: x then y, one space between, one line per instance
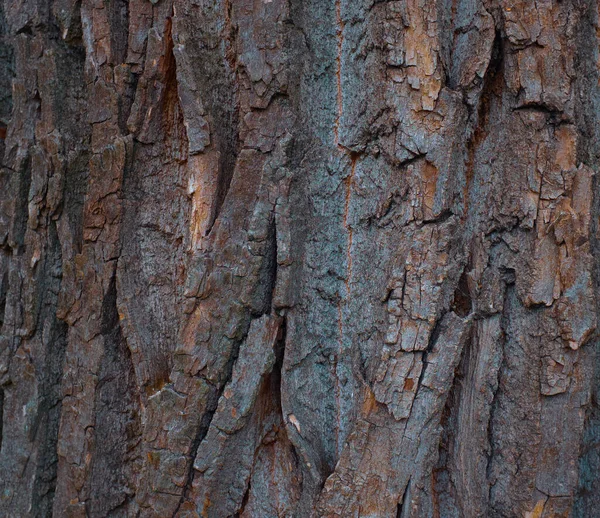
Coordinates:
279 258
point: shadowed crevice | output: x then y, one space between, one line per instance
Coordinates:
1 415
49 406
587 109
118 15
49 414
403 507
493 83
267 277
7 65
3 295
462 303
172 124
265 422
224 110
509 301
205 421
229 148
117 428
275 454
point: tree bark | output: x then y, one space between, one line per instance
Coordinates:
291 258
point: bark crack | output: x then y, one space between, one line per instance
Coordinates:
267 279
504 322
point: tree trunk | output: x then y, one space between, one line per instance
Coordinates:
293 258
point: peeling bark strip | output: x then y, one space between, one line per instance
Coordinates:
271 258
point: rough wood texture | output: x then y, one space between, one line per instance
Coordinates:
292 258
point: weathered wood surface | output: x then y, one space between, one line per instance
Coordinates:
275 258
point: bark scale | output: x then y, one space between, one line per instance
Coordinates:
267 258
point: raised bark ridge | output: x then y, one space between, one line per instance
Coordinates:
267 258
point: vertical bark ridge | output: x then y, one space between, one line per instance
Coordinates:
283 258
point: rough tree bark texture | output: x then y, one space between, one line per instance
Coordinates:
267 258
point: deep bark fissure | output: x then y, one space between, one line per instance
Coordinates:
245 499
1 416
268 270
228 157
448 424
119 22
268 406
172 117
117 428
204 426
587 498
3 294
402 187
402 509
479 116
509 294
226 116
6 76
268 277
21 206
49 408
462 303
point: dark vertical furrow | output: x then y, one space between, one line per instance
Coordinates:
229 146
119 25
3 293
49 376
69 58
587 500
204 425
1 416
299 258
262 299
403 507
117 418
267 276
6 75
21 202
495 402
220 79
445 497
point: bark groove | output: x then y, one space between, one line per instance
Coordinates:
267 258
